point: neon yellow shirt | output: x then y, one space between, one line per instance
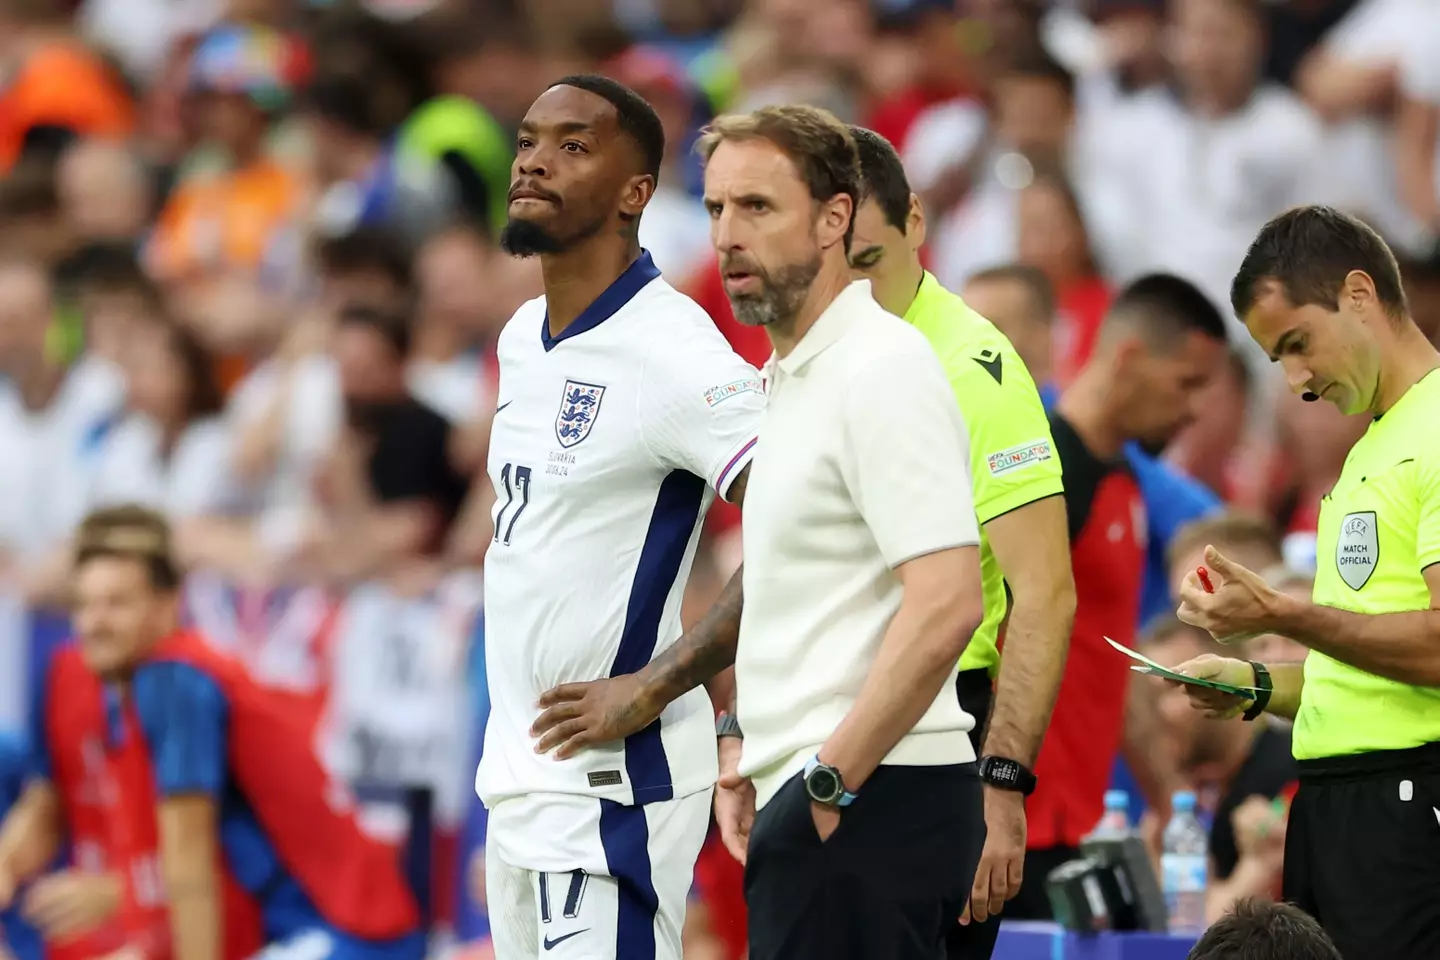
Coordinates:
1012 456
1379 529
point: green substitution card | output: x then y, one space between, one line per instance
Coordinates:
1153 669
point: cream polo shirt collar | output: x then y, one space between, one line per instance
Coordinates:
830 327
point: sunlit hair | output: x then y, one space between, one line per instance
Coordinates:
814 139
130 532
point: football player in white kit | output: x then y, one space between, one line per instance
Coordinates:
622 412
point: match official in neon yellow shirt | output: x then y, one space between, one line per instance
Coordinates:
1322 294
1024 540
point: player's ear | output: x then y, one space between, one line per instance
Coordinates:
915 223
638 191
835 216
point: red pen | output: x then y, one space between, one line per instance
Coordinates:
1205 579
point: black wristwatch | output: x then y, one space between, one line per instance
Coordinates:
727 726
824 784
1002 773
1264 686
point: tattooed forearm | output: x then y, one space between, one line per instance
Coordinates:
704 651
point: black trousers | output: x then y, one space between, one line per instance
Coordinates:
887 884
1362 852
976 941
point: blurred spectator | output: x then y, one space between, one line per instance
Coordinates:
970 167
1204 167
1271 647
54 413
1020 301
444 371
115 299
1210 448
1159 345
141 33
1313 440
1251 540
1352 80
794 51
106 193
456 131
244 220
56 89
387 492
30 210
1238 770
921 40
171 452
1417 129
1051 237
366 180
675 227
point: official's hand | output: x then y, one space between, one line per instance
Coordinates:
1002 862
1215 703
734 801
579 715
72 902
826 818
1242 606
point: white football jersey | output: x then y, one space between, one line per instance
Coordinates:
608 446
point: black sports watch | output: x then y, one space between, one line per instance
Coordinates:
1264 686
727 726
1002 773
824 785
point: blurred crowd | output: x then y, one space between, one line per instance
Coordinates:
249 275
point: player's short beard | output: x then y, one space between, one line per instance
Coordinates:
780 296
526 238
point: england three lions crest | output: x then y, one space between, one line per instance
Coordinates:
579 406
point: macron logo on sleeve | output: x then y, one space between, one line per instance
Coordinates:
718 395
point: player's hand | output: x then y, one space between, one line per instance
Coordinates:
734 801
7 888
1242 606
1260 831
72 902
1215 703
580 715
1002 861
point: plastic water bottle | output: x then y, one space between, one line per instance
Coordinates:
1183 867
1115 822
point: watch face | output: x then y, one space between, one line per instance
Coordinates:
1001 771
822 785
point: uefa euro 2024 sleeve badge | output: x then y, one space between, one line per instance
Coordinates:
579 406
1357 548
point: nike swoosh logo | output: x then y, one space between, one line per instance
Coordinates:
552 944
503 405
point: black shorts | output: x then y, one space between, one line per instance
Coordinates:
1362 852
889 882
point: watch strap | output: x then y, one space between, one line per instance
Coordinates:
727 726
1264 686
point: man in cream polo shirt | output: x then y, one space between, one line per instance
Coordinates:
861 577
